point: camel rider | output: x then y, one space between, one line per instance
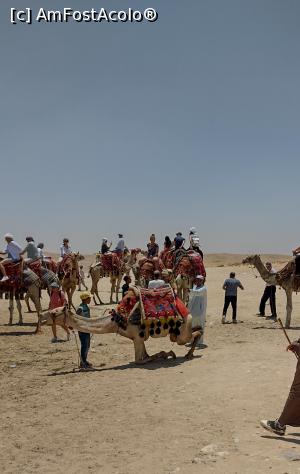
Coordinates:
296 252
65 249
195 241
179 241
31 249
152 247
105 247
13 251
40 248
120 245
167 243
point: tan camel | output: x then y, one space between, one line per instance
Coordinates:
117 325
69 273
284 278
96 272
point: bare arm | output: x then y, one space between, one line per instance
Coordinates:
224 286
297 250
241 286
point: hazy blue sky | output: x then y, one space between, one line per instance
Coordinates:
153 127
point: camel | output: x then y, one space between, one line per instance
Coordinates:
68 275
46 277
284 278
129 328
186 265
115 272
28 283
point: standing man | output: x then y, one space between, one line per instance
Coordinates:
31 249
231 286
81 280
269 294
198 304
13 251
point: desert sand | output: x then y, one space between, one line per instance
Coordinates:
179 416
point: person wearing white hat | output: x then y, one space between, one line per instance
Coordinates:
105 247
13 251
195 241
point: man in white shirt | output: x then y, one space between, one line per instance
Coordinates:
269 294
13 251
198 304
157 282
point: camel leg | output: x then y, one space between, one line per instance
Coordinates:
34 295
67 331
289 306
19 307
27 301
195 338
119 279
11 309
112 288
160 355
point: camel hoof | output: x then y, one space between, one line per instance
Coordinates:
10 323
20 323
189 356
38 332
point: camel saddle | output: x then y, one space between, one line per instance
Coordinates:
148 266
188 263
14 272
289 272
111 264
160 303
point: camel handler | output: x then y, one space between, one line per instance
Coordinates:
291 411
57 299
197 304
85 338
13 251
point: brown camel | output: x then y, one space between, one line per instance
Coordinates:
284 278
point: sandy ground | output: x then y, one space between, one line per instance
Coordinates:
157 419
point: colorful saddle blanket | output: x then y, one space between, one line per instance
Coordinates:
190 264
161 304
111 264
36 266
14 272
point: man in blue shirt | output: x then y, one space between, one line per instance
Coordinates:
85 338
231 286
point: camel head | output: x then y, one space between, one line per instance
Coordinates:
251 259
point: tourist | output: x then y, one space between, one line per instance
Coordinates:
269 294
126 285
231 286
152 247
291 411
157 282
81 280
13 252
179 241
40 248
167 243
85 338
31 249
105 247
120 245
57 299
195 241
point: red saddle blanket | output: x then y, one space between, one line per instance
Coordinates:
14 272
36 266
190 265
111 263
161 304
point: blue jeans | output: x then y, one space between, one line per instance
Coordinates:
85 345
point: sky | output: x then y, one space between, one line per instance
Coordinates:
192 120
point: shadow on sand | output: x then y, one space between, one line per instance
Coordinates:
158 364
284 439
